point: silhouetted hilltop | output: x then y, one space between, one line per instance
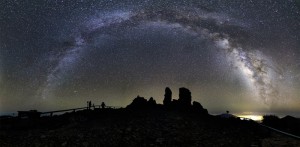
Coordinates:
176 122
289 118
288 123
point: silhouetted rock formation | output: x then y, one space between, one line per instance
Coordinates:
197 105
138 103
198 108
151 102
185 97
142 103
183 104
168 96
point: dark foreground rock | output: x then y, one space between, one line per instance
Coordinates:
124 127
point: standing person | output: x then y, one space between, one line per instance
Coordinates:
90 104
103 105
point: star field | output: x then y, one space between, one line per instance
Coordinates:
237 55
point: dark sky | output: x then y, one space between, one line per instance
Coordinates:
242 55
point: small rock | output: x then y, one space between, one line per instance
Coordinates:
64 144
85 144
159 140
128 129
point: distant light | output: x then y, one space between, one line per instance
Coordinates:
253 117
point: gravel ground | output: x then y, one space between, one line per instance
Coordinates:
135 128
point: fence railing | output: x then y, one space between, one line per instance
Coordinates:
81 108
65 110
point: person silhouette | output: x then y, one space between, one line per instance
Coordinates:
89 103
103 105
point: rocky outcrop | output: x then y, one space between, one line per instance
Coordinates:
185 97
168 96
142 103
197 107
151 102
138 103
182 104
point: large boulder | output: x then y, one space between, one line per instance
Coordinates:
151 102
168 96
197 105
142 103
185 97
199 108
138 103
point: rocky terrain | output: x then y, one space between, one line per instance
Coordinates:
128 128
123 127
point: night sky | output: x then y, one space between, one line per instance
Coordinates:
242 55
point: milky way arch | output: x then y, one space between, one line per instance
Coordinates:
255 68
